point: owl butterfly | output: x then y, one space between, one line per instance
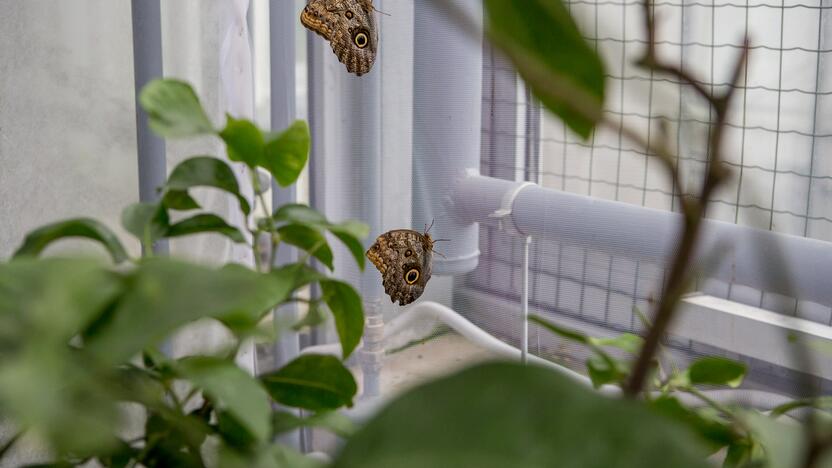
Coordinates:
404 258
350 28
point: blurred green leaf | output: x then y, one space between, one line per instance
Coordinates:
233 432
166 294
313 318
351 233
45 385
345 305
286 153
206 171
603 371
60 398
716 371
179 200
524 416
235 391
47 301
36 241
173 109
783 442
309 239
147 221
314 382
627 342
300 214
548 50
714 432
297 274
244 142
173 440
265 456
823 402
560 331
348 232
205 223
337 423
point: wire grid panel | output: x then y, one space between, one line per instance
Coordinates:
777 132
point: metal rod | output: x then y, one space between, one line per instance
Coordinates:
147 65
524 299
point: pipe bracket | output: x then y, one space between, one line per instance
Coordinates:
503 214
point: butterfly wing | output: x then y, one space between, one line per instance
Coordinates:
404 260
349 26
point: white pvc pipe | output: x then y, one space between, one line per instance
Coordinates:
365 410
768 261
447 127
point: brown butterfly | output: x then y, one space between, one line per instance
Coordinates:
350 28
404 257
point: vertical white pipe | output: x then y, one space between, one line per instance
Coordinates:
524 299
447 127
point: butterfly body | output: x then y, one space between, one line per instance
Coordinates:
350 28
404 257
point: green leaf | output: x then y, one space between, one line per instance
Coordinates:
348 232
36 241
715 432
173 109
603 371
45 385
52 299
206 171
335 422
173 440
560 331
300 214
235 391
345 305
313 318
179 200
61 398
498 415
313 382
548 50
265 456
784 443
308 239
244 142
233 432
628 342
822 402
286 153
351 233
166 294
147 221
717 371
202 223
297 274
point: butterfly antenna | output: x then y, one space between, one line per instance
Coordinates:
379 11
441 240
428 228
438 253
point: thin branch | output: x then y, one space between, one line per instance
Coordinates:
10 443
693 211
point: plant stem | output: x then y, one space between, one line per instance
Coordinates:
255 182
692 211
10 443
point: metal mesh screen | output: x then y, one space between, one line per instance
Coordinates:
776 137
